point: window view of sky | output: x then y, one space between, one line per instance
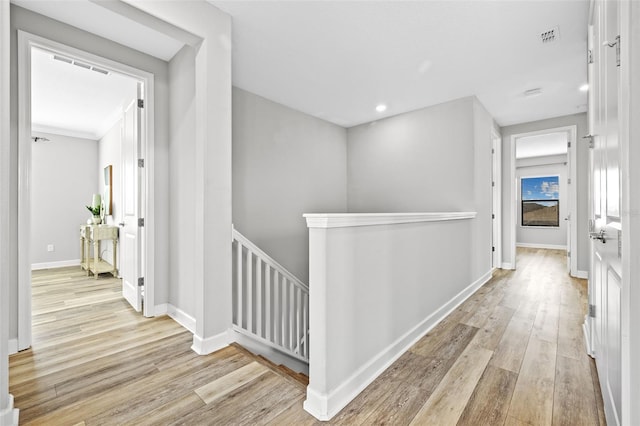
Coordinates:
541 188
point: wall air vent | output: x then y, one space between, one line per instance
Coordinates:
550 36
80 64
532 92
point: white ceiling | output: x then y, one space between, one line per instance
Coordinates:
74 101
337 60
541 145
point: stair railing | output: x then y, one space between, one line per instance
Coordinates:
270 304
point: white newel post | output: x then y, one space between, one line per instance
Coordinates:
377 284
8 415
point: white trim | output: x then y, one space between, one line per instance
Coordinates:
507 265
581 274
181 317
324 406
53 265
542 246
572 131
26 41
39 128
343 220
9 416
211 344
13 346
497 190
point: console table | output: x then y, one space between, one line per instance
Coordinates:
92 235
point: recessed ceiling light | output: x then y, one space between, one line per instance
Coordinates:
381 108
584 88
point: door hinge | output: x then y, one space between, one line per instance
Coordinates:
140 162
140 103
568 254
493 151
592 311
590 138
493 249
569 181
493 216
141 221
493 184
615 44
568 144
590 56
140 281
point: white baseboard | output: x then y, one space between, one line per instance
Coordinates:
178 315
257 347
324 406
9 415
542 246
13 346
507 265
52 265
582 274
211 344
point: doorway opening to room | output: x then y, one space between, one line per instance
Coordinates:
543 199
84 136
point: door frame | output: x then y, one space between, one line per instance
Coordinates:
496 166
573 196
27 41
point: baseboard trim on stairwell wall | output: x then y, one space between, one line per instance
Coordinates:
325 406
9 415
542 246
211 344
582 274
179 316
52 265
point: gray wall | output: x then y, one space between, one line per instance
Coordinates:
436 159
582 161
535 167
54 30
182 227
285 163
63 181
419 161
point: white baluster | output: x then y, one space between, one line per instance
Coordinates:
305 325
249 304
285 310
239 262
277 337
259 301
267 298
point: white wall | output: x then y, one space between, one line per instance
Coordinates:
582 188
63 181
285 163
182 193
435 159
543 236
62 33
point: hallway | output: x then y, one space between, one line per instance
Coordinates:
512 354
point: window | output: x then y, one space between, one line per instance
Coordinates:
540 201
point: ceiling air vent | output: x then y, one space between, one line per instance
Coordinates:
550 35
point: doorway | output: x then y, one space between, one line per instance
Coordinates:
545 153
134 199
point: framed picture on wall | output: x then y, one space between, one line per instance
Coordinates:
540 198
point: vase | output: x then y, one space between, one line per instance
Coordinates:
96 220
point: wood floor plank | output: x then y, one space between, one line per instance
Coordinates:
574 397
513 344
489 403
230 382
445 406
545 326
532 400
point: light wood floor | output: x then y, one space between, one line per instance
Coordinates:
513 354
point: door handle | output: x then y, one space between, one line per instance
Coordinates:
121 224
598 236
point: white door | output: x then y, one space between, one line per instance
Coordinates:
606 282
130 231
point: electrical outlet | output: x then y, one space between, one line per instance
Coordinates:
50 247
